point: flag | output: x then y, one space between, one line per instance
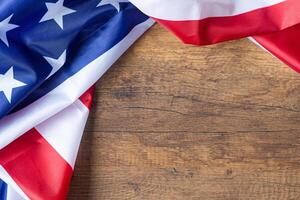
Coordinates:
39 164
274 24
53 51
284 45
51 54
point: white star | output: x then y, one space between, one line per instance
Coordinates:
8 83
5 26
57 11
56 63
114 3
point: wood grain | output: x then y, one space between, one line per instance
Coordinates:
172 121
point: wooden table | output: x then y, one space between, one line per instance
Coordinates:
172 121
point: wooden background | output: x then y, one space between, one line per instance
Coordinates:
172 121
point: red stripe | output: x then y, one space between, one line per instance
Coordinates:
285 45
36 167
87 97
217 29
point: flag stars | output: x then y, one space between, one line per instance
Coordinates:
6 26
114 3
56 11
8 83
56 63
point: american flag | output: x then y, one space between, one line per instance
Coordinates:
51 54
53 51
274 24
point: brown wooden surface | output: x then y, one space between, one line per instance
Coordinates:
172 121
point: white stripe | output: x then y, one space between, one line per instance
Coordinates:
11 183
16 124
12 194
177 10
64 130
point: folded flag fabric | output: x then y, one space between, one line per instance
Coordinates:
206 22
274 23
39 164
284 45
53 51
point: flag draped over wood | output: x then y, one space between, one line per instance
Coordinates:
274 23
53 51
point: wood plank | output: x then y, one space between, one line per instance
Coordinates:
172 121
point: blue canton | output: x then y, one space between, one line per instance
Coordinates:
43 43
